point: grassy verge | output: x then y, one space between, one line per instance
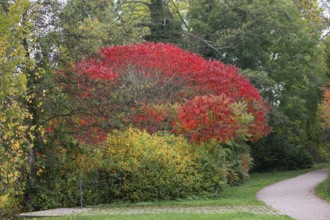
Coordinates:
323 189
227 216
244 194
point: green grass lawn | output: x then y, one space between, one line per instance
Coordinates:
226 216
323 189
244 194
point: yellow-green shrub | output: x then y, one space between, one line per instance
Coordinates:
136 166
8 207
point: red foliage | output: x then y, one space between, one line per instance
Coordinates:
151 117
207 117
215 86
88 131
325 109
92 70
96 69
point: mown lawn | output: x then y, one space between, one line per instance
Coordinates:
323 190
172 216
244 194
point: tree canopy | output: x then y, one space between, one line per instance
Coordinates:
231 80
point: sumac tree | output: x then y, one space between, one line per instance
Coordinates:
162 87
325 109
325 122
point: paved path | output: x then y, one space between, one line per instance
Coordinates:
296 198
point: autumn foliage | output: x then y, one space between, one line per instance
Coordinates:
138 166
160 86
325 109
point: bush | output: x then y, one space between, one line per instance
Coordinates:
211 99
239 162
274 152
57 183
8 207
133 165
136 166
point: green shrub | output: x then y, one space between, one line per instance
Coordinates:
57 184
275 152
44 198
239 162
9 207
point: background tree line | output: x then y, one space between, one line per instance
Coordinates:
280 45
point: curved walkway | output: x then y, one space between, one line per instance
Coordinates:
296 198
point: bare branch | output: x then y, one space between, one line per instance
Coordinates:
134 2
203 40
178 12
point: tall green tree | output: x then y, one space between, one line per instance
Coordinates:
86 26
26 84
279 43
162 20
13 90
163 25
22 96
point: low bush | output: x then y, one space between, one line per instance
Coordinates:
133 165
57 183
136 166
275 152
8 207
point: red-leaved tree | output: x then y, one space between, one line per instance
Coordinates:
162 87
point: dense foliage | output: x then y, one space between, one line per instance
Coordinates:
133 165
209 100
325 109
136 166
325 122
277 44
66 84
159 88
13 89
